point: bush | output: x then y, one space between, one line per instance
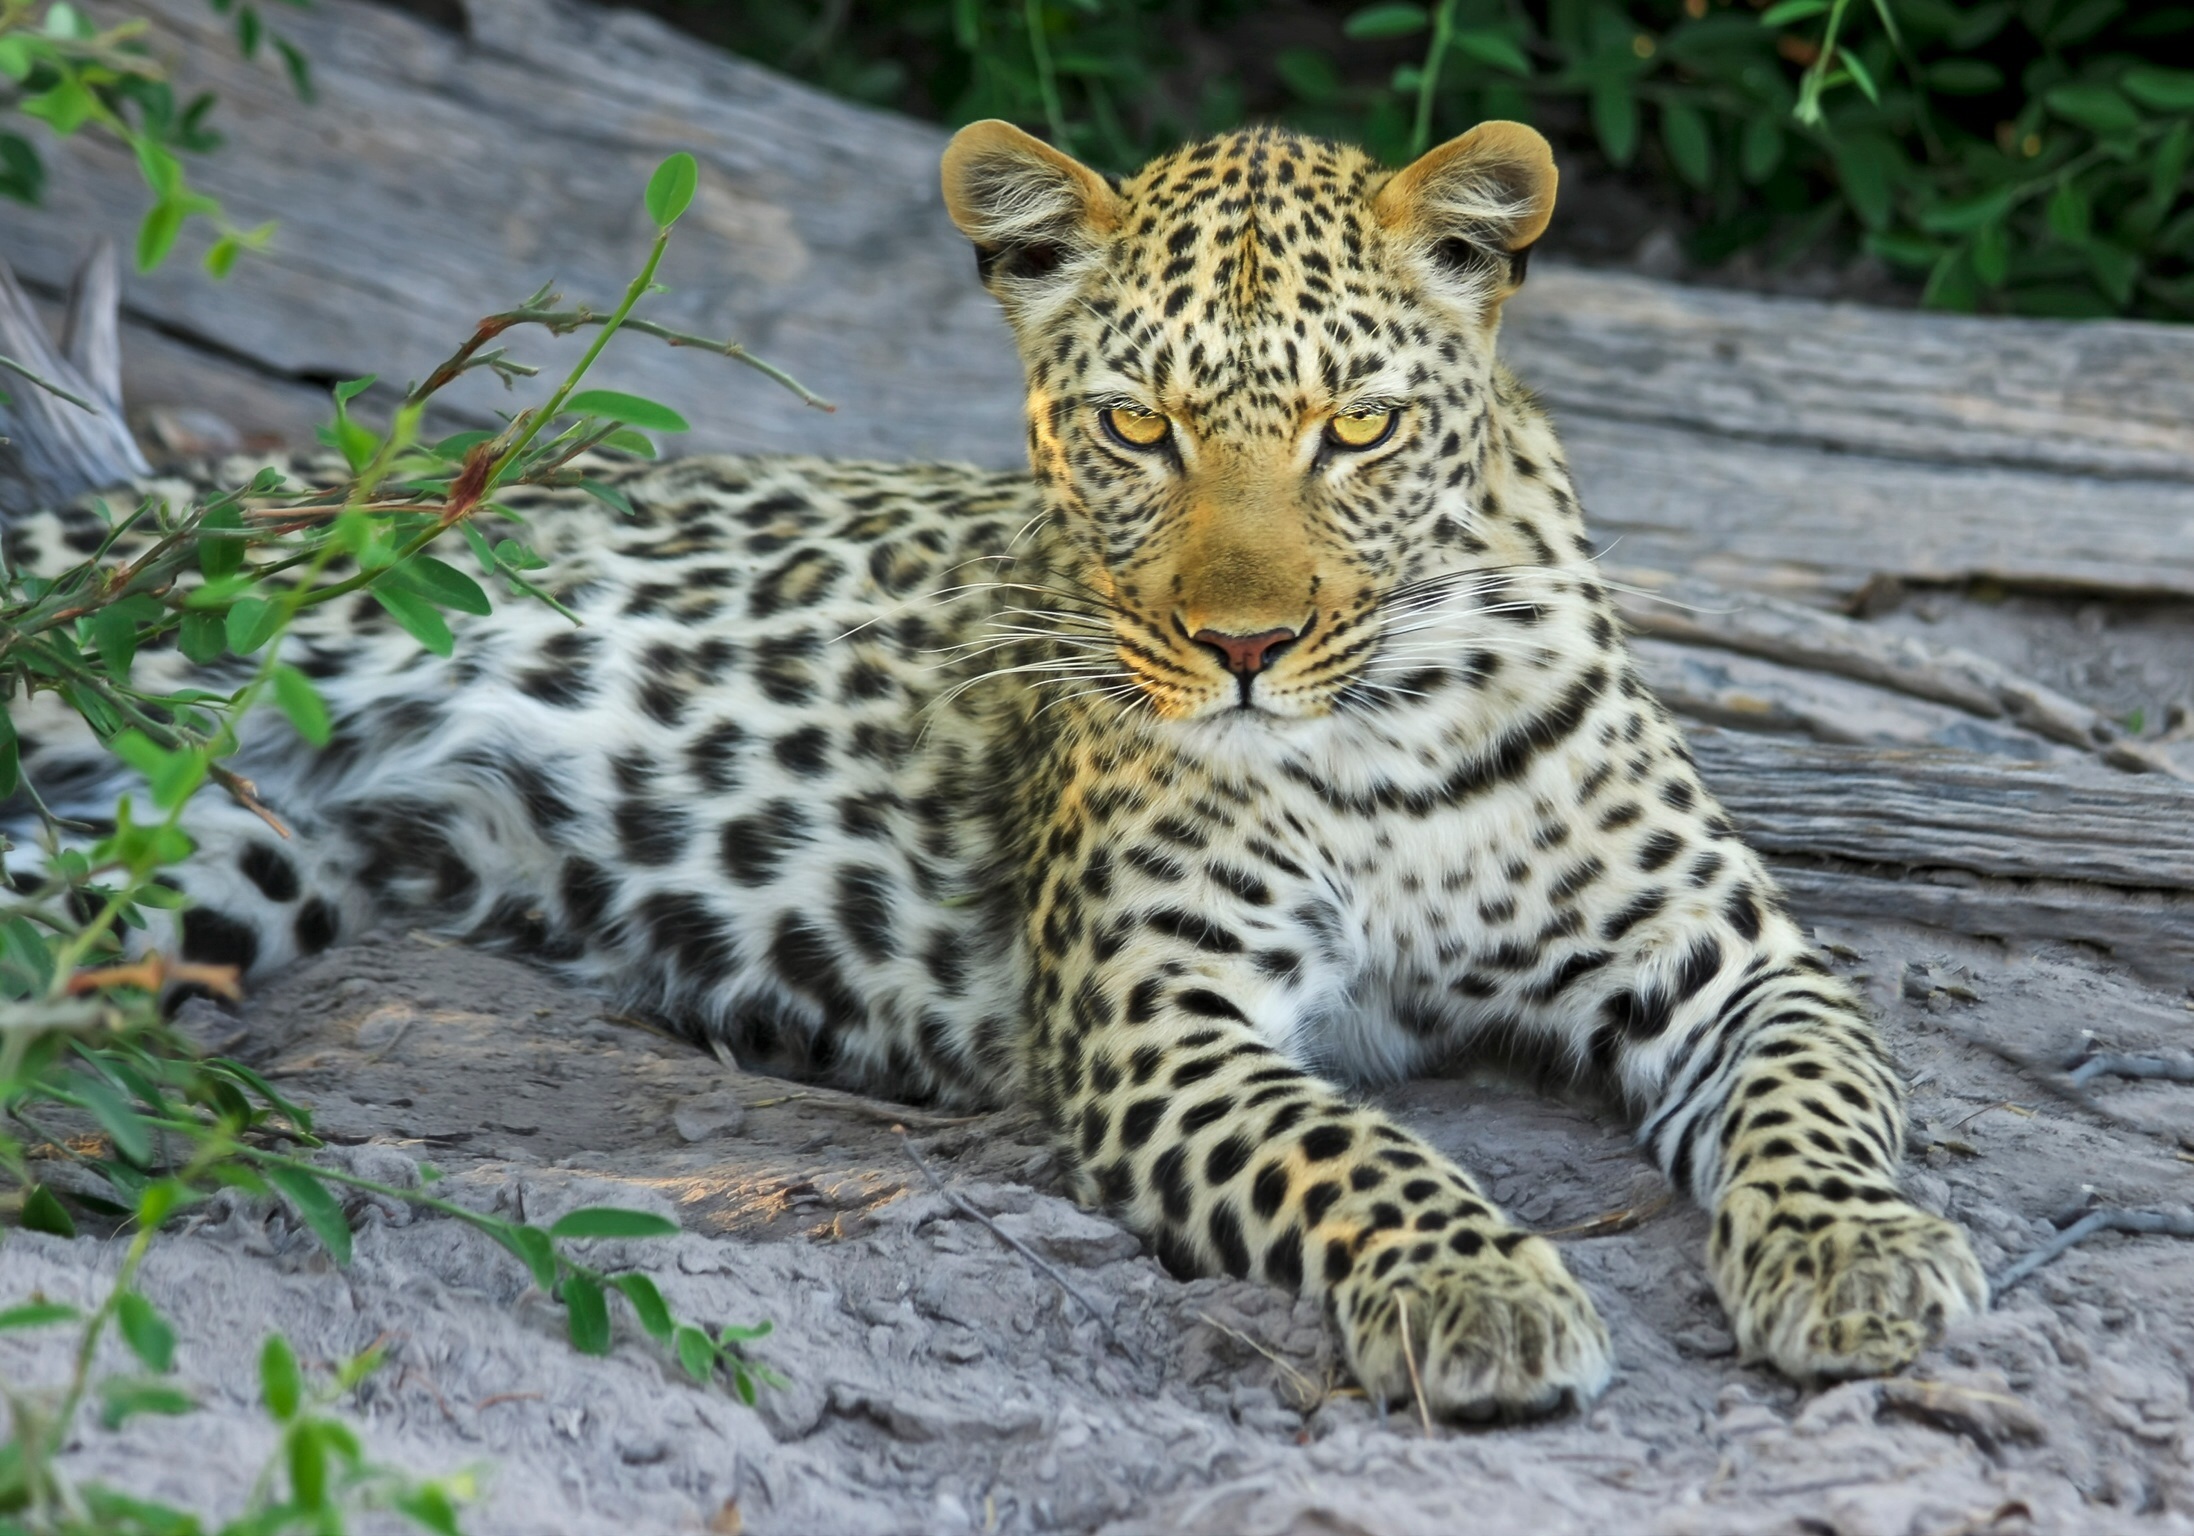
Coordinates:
2021 155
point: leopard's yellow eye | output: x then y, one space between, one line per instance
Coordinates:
1136 428
1362 429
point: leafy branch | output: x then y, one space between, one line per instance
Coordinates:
91 1079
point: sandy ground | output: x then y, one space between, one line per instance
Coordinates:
937 1381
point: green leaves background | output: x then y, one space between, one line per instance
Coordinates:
2018 155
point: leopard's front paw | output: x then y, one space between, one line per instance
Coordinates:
1500 1331
1823 1291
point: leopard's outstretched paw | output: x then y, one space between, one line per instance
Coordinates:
1858 1294
1500 1332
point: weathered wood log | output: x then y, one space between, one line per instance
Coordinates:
1982 845
2113 399
1817 525
1699 613
56 445
442 177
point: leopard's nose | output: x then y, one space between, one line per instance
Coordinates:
1247 655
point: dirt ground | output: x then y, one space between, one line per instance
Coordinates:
937 1381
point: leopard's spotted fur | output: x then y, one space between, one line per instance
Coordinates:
923 778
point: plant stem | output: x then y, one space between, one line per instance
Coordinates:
541 418
1443 31
1047 80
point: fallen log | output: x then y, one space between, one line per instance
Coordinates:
2038 852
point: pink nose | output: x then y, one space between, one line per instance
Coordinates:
1247 655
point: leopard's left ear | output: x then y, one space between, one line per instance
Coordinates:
1034 212
1474 206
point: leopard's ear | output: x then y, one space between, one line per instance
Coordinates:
1033 212
1473 207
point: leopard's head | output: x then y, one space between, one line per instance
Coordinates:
1259 373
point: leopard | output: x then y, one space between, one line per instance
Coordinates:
1271 738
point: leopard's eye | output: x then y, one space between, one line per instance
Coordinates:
1362 429
1136 428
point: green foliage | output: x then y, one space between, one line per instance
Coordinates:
61 69
2023 155
91 1079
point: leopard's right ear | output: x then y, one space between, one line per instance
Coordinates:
1034 213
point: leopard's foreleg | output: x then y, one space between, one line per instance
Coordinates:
1162 1051
1774 1103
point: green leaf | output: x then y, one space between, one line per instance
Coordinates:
1792 10
632 410
2167 90
696 1352
417 616
1684 136
1382 21
1491 45
279 1380
612 1221
670 189
221 256
2115 270
163 173
42 1212
37 1314
156 232
251 624
221 557
431 1507
630 442
1860 73
1615 119
132 1137
2071 215
11 753
440 584
454 446
316 1206
647 1304
1965 77
350 389
121 1397
66 107
589 1315
203 636
1308 73
608 495
1760 151
1866 164
148 1334
2096 107
2168 168
534 1250
1967 214
298 699
306 1450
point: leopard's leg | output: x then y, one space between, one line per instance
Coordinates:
1775 1104
1160 1048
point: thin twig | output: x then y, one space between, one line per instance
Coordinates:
1616 1221
45 384
2119 1064
1409 1358
1311 1395
2159 1223
962 1205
